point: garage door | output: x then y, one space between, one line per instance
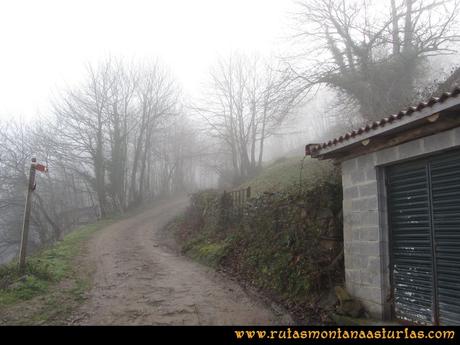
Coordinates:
424 218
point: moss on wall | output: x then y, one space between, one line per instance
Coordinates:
281 242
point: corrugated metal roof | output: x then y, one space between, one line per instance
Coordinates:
315 148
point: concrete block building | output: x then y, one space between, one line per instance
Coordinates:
401 207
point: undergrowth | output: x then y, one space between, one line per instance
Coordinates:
45 268
279 241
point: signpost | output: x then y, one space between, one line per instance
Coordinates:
25 224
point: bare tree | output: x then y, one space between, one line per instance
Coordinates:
110 126
59 195
117 139
80 126
158 100
373 52
247 100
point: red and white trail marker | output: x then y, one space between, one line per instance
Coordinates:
41 167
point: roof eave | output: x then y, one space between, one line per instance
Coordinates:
387 128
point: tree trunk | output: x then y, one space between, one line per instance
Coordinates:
100 172
408 29
395 29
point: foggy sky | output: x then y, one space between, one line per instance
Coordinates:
45 43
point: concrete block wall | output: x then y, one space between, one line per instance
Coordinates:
365 217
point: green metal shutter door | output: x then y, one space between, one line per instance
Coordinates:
445 187
411 244
424 217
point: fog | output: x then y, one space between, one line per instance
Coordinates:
46 44
127 102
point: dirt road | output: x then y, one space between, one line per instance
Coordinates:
140 281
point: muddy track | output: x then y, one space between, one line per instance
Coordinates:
140 280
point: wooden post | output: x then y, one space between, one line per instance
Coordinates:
26 221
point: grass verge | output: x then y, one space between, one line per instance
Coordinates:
54 283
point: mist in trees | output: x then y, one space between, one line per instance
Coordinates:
61 200
109 129
126 134
374 53
246 101
118 139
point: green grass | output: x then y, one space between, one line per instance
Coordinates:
285 173
46 268
56 279
206 251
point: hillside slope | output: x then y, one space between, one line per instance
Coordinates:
284 173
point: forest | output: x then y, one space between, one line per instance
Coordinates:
127 133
